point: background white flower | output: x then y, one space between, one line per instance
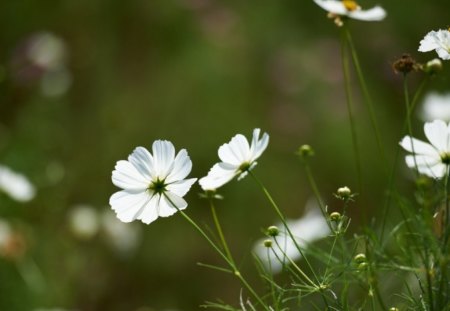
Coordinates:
84 221
437 40
16 185
436 106
152 184
352 9
238 157
307 229
431 159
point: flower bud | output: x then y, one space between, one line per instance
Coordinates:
433 66
335 216
267 243
393 309
362 266
273 231
305 151
344 193
360 258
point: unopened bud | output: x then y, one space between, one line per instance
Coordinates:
335 216
305 151
393 309
433 66
344 193
267 243
360 258
273 231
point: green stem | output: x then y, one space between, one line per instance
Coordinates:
220 232
367 97
283 220
219 251
348 94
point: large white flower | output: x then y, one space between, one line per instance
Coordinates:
238 158
153 185
436 106
431 159
307 229
437 40
16 185
351 9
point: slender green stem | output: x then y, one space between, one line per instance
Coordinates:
272 287
283 220
224 256
348 94
367 97
316 192
220 232
397 153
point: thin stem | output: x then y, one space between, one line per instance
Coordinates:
219 251
272 287
283 220
367 97
220 232
348 94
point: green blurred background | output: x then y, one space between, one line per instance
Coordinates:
195 72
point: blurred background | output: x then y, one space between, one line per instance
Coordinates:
82 83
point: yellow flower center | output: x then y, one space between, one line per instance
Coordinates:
350 5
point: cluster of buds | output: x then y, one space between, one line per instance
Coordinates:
405 64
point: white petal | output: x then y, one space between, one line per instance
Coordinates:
16 185
436 171
126 176
259 146
219 175
420 147
166 209
374 14
429 43
182 166
443 53
421 160
163 157
437 134
143 162
128 205
236 151
173 199
150 211
181 187
436 106
332 6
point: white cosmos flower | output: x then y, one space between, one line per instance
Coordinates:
437 40
238 158
436 106
16 185
307 229
351 9
431 159
153 185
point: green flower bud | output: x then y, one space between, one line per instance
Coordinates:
273 231
393 309
360 258
335 216
268 243
305 151
433 66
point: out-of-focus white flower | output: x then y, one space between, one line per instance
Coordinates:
16 185
84 221
123 237
307 229
153 185
430 159
56 82
436 107
351 9
438 41
47 50
238 158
